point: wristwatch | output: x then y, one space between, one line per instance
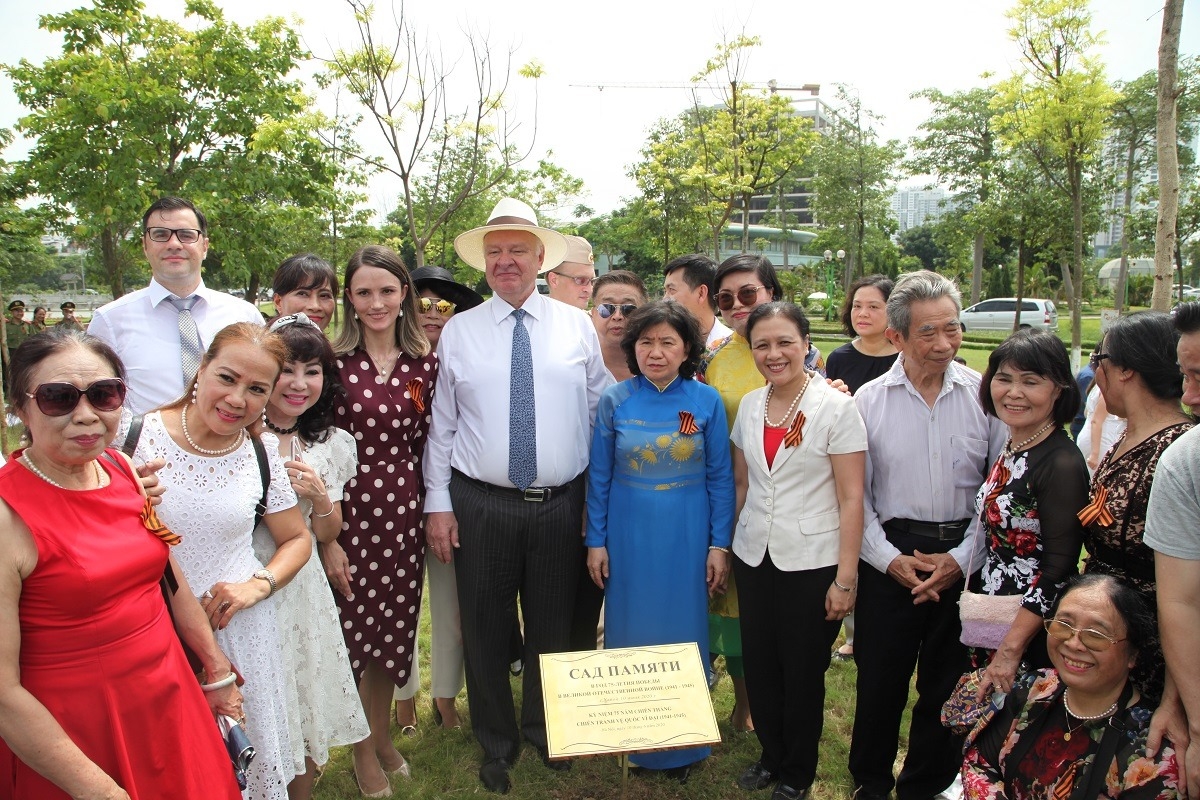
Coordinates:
265 574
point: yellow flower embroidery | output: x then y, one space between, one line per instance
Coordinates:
663 441
683 449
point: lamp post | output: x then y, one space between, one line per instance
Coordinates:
831 269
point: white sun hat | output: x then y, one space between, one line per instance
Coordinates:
511 214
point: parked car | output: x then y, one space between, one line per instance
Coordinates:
998 313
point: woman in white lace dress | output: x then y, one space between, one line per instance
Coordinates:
320 459
213 488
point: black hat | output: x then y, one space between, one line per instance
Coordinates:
16 304
67 305
441 281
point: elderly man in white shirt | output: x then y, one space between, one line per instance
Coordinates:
930 446
518 384
160 331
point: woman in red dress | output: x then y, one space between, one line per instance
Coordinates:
388 371
96 696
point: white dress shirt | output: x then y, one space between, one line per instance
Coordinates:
469 431
925 463
792 506
719 331
144 330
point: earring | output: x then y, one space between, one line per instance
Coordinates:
402 312
264 418
195 386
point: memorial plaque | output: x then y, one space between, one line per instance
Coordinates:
627 700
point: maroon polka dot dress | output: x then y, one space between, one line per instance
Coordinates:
382 531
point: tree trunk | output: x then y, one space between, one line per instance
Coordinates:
977 266
252 290
1127 210
1076 262
110 257
1168 154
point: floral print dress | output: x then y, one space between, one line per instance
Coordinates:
1061 755
1028 508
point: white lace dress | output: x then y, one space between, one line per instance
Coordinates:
210 503
315 659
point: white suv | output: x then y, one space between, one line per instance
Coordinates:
998 313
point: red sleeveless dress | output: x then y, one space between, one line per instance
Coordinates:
98 648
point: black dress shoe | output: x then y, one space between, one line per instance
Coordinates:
494 775
755 777
785 792
862 793
560 765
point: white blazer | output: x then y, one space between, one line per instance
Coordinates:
792 507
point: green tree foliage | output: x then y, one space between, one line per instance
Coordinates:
1054 109
671 208
960 146
138 106
921 242
854 176
446 159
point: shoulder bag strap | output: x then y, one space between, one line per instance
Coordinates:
134 434
264 472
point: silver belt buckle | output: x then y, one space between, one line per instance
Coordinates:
533 495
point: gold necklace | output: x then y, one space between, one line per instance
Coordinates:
1011 449
791 409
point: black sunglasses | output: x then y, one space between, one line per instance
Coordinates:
60 399
745 295
1096 358
608 309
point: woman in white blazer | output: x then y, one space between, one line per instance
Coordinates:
799 458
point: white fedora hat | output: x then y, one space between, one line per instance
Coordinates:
511 215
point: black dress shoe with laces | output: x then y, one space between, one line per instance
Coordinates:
755 777
494 775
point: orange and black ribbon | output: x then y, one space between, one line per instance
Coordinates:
156 526
999 479
1096 511
416 390
793 436
687 423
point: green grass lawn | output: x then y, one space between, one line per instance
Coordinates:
446 763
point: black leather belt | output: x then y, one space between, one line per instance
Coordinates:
942 531
534 494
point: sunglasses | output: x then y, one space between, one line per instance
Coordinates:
606 310
745 295
1096 358
1090 638
184 235
60 399
444 307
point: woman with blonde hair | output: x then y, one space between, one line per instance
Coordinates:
385 364
209 440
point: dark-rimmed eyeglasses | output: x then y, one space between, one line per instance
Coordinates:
60 399
1096 358
184 235
580 281
745 295
606 310
1090 638
444 307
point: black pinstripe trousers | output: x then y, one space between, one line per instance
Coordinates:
509 547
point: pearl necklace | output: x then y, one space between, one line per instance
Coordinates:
1010 449
241 435
34 469
791 409
282 431
1083 719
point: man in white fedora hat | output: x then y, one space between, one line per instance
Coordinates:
519 380
571 281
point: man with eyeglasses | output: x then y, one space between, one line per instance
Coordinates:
161 332
930 445
1173 532
615 295
571 281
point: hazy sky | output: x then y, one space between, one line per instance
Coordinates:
885 49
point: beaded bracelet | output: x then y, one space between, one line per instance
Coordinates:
716 547
221 684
